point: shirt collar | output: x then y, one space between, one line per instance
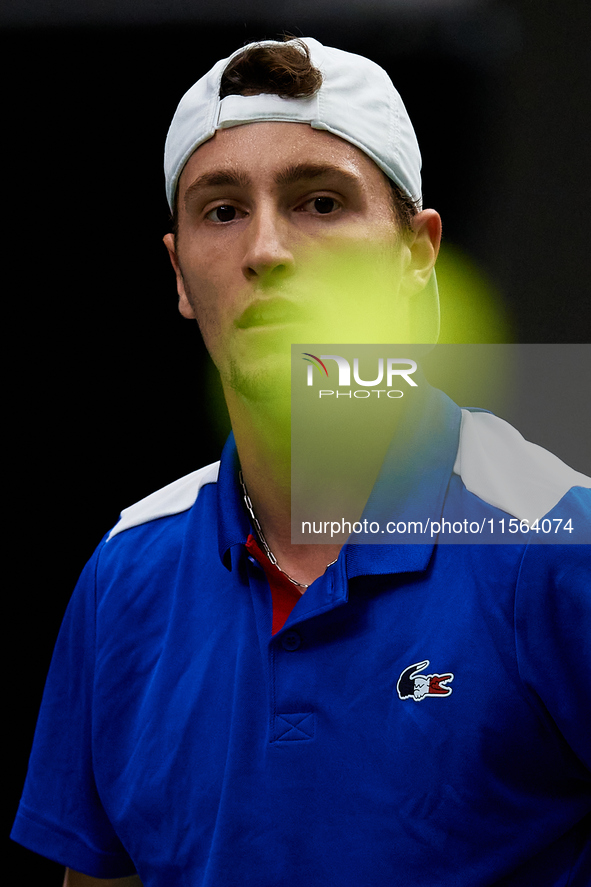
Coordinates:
233 522
411 485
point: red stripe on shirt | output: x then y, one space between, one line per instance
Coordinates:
284 593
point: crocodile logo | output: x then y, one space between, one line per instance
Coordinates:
414 685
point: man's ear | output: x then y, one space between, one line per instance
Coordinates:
423 246
185 307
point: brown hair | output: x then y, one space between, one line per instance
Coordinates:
286 69
283 69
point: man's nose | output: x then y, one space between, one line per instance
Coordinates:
268 255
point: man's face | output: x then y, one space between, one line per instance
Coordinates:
285 235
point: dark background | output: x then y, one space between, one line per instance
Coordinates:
106 398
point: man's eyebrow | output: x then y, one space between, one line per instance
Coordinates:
223 177
292 174
299 171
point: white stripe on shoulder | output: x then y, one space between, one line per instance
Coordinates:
502 468
178 496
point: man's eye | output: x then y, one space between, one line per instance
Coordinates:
321 205
325 205
224 213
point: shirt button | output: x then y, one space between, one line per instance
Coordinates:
290 640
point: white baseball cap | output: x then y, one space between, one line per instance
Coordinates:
356 101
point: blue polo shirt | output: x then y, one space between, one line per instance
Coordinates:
422 719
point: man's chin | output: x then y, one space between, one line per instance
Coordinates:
263 379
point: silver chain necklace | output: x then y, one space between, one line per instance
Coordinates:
261 535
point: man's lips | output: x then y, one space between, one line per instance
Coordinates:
270 312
